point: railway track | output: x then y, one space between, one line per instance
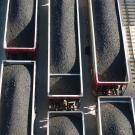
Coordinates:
128 26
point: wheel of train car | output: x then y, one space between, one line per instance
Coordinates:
15 100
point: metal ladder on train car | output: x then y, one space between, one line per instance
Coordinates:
128 22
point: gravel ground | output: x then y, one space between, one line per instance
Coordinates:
20 31
15 100
63 36
110 56
68 85
65 125
116 121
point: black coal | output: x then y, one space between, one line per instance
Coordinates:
108 39
68 85
63 36
20 28
16 87
115 120
65 125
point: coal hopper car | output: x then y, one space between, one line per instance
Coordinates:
109 59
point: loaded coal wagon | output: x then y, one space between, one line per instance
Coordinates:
109 64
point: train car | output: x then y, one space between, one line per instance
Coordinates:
17 97
110 74
64 50
20 34
116 115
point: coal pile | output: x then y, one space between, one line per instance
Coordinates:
63 36
20 27
16 87
108 38
64 125
114 120
68 85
